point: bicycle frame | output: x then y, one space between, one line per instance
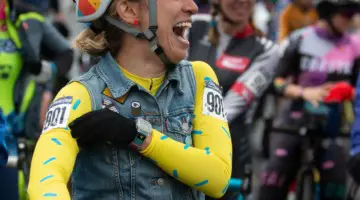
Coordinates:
242 185
3 147
307 172
16 152
310 132
236 184
354 187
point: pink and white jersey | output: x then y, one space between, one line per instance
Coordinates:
313 57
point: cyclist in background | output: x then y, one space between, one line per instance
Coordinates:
319 64
26 39
45 92
243 59
296 15
51 10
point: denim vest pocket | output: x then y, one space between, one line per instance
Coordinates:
94 175
179 124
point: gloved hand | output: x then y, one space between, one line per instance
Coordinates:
340 92
103 125
354 166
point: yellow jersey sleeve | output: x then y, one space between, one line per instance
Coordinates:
56 150
207 165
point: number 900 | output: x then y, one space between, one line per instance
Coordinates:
215 103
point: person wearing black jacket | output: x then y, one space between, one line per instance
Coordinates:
244 61
39 40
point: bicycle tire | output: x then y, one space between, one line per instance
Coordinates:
306 187
308 190
353 190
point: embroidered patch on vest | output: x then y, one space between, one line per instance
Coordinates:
121 99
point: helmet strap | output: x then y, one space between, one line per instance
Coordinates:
149 35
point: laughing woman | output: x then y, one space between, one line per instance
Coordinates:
141 124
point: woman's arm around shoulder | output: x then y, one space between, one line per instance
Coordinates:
56 150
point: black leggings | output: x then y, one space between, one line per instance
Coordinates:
285 161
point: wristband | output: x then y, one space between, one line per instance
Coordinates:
144 129
280 85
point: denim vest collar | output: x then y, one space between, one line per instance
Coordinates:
118 84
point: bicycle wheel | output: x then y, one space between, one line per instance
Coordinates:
353 189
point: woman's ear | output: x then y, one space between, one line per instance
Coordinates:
128 11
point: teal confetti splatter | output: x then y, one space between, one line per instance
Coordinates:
50 195
207 149
202 183
76 104
56 141
46 178
176 174
196 132
226 131
49 160
164 137
207 78
186 146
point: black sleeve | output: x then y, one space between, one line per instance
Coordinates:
257 79
355 72
289 62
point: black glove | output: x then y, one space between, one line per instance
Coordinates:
354 168
101 126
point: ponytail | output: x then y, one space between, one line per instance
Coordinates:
213 33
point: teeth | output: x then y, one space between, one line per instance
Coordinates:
183 25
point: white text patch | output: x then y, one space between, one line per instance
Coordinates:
213 104
58 114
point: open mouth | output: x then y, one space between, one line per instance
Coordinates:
180 28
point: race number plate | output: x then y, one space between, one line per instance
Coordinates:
58 114
213 104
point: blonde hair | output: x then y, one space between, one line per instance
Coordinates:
109 39
213 33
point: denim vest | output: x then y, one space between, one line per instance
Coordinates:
108 173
